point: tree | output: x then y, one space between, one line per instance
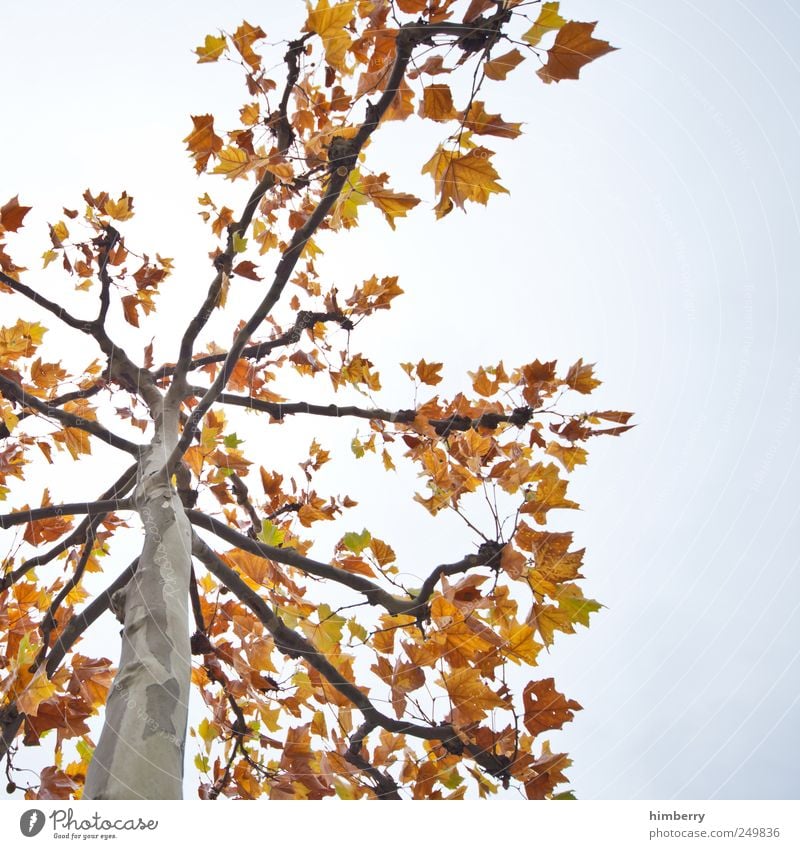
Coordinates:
293 654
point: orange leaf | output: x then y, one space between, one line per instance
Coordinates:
501 67
11 215
243 38
579 377
203 142
481 122
437 103
574 47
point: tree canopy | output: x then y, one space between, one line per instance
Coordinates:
344 673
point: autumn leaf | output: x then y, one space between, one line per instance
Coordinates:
329 23
501 67
579 377
211 49
481 122
568 455
119 210
429 372
233 162
574 47
12 214
39 689
437 103
460 178
471 697
49 529
548 20
392 204
203 142
545 708
243 39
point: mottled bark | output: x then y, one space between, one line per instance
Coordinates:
140 754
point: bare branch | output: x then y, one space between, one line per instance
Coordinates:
76 508
119 488
52 307
14 392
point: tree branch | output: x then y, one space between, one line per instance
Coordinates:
76 508
224 261
14 392
10 717
294 645
289 557
117 489
305 319
519 417
52 307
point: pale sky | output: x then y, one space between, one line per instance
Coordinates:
652 228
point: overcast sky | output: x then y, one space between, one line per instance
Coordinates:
651 228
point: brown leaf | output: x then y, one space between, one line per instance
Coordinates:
574 47
545 708
11 214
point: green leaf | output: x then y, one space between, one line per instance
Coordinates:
239 244
357 542
232 441
357 448
271 534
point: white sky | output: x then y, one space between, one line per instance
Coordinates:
651 228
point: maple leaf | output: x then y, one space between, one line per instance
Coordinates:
574 47
203 142
391 204
11 215
119 210
329 23
211 49
461 178
548 20
470 695
481 122
437 103
501 67
38 689
568 456
579 377
233 162
545 708
46 530
243 39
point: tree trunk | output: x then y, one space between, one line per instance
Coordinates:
140 754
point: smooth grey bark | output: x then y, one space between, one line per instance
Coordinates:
140 754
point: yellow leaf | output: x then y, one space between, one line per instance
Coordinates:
119 210
580 377
462 178
60 231
233 162
48 257
329 23
568 456
212 49
38 690
548 20
243 38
